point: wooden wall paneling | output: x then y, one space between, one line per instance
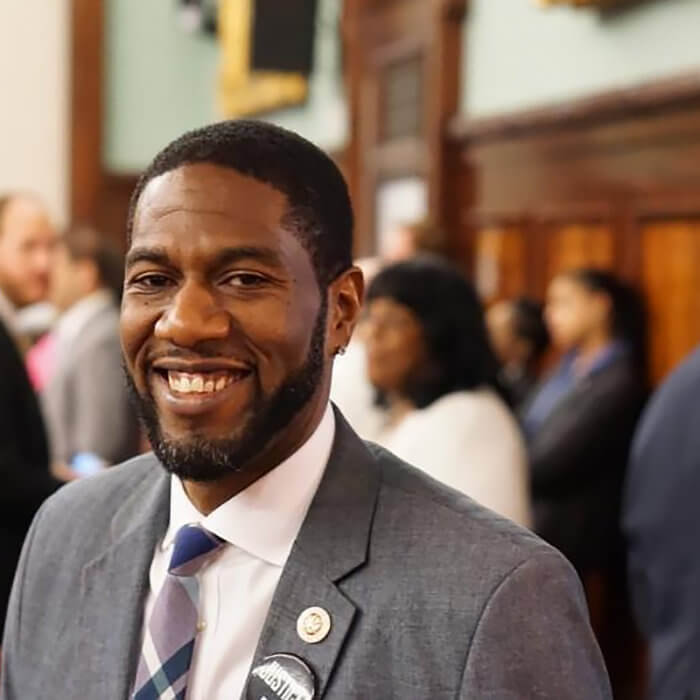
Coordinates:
98 197
114 205
443 76
670 264
87 35
500 265
387 35
575 158
611 181
382 39
579 245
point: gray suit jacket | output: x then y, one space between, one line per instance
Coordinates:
86 403
431 596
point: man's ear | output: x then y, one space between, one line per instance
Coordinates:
345 297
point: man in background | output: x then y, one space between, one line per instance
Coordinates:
27 243
86 402
661 520
519 338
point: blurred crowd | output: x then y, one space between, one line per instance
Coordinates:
531 407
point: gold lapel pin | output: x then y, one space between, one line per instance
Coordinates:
313 625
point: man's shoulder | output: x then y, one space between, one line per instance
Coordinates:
446 530
102 332
103 493
679 391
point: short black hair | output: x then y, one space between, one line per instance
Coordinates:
452 317
320 213
529 324
86 243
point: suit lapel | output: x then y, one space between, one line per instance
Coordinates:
332 542
114 587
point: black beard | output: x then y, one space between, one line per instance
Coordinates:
206 460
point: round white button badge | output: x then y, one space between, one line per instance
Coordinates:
313 625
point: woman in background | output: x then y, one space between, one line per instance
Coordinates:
580 422
579 426
429 358
519 338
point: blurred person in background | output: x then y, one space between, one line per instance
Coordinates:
661 521
86 403
581 419
579 425
429 358
519 338
413 238
27 247
352 391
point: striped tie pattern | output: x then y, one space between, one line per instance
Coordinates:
170 634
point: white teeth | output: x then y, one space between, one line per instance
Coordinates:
186 383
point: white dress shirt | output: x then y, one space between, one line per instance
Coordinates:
236 588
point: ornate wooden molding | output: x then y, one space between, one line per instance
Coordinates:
604 107
582 3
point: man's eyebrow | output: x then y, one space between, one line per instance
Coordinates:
261 254
158 256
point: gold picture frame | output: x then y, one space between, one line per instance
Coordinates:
242 91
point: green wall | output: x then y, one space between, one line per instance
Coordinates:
161 81
518 55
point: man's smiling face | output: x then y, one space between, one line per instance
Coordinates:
224 327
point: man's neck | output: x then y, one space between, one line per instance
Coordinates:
399 408
208 496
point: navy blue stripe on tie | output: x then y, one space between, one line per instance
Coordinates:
176 666
194 542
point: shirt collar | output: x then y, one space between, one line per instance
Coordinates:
265 518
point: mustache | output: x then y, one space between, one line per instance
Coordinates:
201 353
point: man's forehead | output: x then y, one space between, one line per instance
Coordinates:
24 208
24 215
206 187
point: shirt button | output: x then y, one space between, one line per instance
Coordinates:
201 625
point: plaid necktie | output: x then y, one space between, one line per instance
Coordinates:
170 634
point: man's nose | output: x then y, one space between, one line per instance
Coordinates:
193 317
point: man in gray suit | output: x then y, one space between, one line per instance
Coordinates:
265 551
85 402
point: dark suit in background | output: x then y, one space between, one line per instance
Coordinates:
662 522
25 480
578 460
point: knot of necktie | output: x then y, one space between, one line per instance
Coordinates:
193 547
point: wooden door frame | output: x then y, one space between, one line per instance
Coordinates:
375 34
